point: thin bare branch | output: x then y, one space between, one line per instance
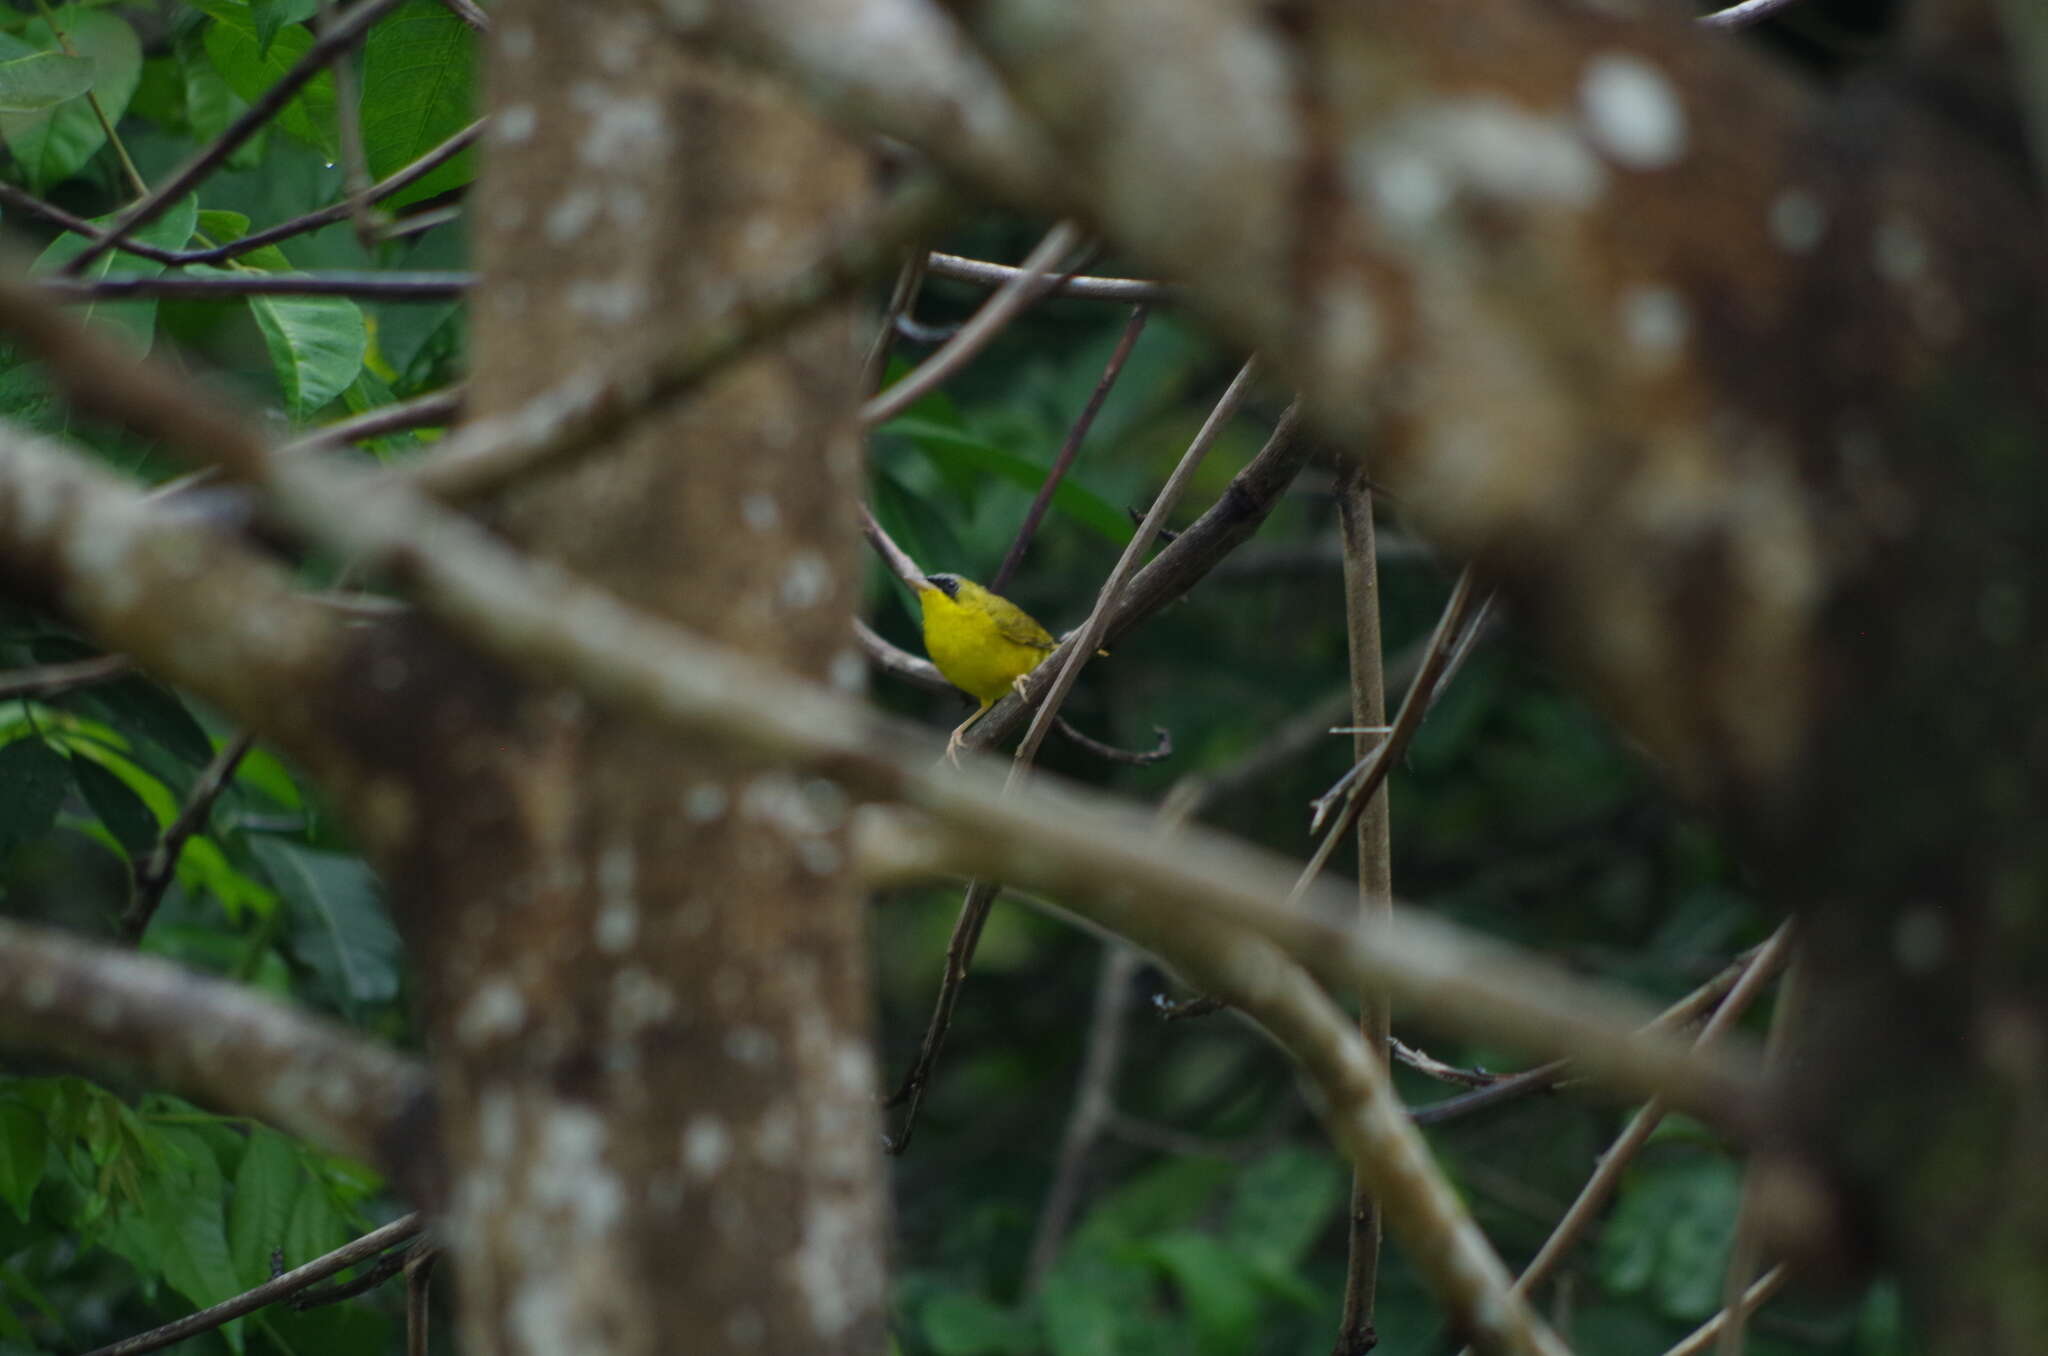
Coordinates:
49 680
270 1292
1356 1333
982 273
1745 15
1753 1299
154 873
1064 458
423 411
1033 281
390 286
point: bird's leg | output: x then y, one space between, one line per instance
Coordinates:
953 741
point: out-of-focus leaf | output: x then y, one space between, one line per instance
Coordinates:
1669 1234
32 83
24 1154
1216 1286
134 319
962 450
267 1183
250 68
418 90
184 1209
52 145
118 807
957 1323
1281 1203
33 780
338 925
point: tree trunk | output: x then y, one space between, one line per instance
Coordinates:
641 960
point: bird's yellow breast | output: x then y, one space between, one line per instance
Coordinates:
968 646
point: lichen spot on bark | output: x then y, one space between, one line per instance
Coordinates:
1632 112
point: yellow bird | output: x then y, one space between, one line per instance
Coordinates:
983 643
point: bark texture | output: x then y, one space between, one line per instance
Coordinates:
643 963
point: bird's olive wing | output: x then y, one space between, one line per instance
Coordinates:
1015 625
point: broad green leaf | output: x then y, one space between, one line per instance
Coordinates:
41 80
134 704
184 1207
315 1228
1282 1203
1216 1286
210 103
118 807
338 925
249 69
960 450
266 1185
54 144
160 95
316 347
958 1323
270 17
33 780
24 1153
133 319
221 226
1669 1233
1168 1196
418 90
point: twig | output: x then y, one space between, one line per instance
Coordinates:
1356 1333
48 680
470 13
1161 750
587 409
1744 15
337 283
375 1275
1033 281
1430 1066
1453 634
1065 457
1130 291
153 874
901 298
1093 1111
1753 1299
271 1291
419 1274
434 408
268 105
1593 1197
1744 1250
1081 647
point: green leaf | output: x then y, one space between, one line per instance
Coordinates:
1282 1203
134 827
221 226
958 1323
134 320
270 17
315 1228
1670 1232
134 705
958 450
1217 1288
33 780
418 90
267 1184
233 45
41 80
183 1209
54 144
338 926
316 347
24 1154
